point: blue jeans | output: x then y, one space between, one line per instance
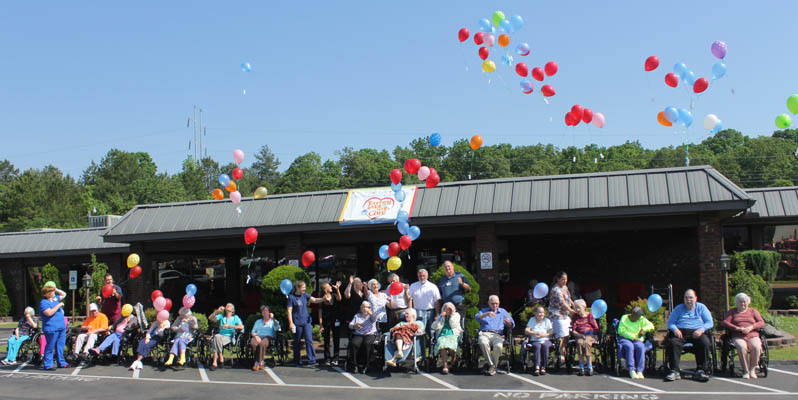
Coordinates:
112 340
13 347
56 341
304 332
180 345
426 317
633 352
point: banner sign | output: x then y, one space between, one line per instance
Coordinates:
375 205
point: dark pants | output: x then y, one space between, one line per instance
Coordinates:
541 350
359 341
304 332
700 345
56 340
335 332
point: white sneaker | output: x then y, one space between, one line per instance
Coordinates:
633 374
746 376
752 374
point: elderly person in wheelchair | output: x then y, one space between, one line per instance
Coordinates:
24 331
264 334
402 339
689 323
184 327
492 322
229 323
742 324
632 330
117 331
584 329
364 332
446 331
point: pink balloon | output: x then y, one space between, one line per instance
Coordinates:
159 304
162 315
235 197
489 39
598 119
423 173
238 156
188 301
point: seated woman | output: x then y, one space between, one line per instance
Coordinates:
364 333
184 325
118 329
154 335
229 323
742 324
539 330
22 332
583 328
446 329
263 334
402 335
632 330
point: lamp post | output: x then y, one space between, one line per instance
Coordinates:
725 266
87 284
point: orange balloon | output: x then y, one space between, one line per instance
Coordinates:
217 194
504 40
662 120
232 187
476 142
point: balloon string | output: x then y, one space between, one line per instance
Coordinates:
505 85
251 257
462 54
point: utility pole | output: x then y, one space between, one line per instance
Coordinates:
199 132
200 138
194 120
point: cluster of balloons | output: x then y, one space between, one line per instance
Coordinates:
413 167
712 123
672 115
308 258
783 121
583 114
250 236
230 184
188 299
133 264
409 233
161 304
537 73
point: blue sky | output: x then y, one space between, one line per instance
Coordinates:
77 79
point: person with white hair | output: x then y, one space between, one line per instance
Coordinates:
184 325
229 323
378 301
446 329
364 333
22 332
584 328
424 298
743 323
402 338
492 321
94 324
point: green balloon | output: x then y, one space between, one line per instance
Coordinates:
783 121
498 16
792 103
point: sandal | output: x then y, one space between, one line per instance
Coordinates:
536 372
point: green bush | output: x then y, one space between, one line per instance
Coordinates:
771 320
471 298
527 314
762 262
149 314
39 276
250 322
273 297
5 302
202 322
792 301
657 318
743 280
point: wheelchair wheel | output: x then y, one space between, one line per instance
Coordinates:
764 358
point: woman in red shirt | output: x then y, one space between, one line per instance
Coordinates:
584 328
742 324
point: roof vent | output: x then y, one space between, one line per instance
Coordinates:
102 221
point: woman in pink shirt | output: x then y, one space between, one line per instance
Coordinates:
742 324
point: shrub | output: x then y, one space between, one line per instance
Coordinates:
149 314
771 320
762 262
270 287
202 322
39 276
250 322
471 298
5 302
657 318
743 280
792 301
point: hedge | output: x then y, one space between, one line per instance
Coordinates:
471 298
764 263
743 280
5 302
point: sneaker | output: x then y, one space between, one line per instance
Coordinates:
492 371
589 372
10 362
335 362
746 376
391 362
633 374
752 374
4 362
674 375
640 375
701 376
580 372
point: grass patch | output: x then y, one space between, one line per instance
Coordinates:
8 325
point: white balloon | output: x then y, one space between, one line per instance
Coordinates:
710 121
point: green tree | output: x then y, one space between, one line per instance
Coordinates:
5 301
273 297
365 167
306 174
265 168
194 181
42 199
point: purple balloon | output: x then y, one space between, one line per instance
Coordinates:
719 49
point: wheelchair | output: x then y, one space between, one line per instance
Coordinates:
377 353
193 349
527 352
462 355
30 350
728 354
613 351
277 350
126 343
71 339
508 350
236 348
413 352
598 352
711 356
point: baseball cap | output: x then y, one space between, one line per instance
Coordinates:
93 307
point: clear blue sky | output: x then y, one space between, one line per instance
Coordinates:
77 79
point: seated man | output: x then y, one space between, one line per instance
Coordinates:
687 324
263 334
492 321
95 323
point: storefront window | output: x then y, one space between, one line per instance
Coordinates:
334 264
783 239
208 273
736 238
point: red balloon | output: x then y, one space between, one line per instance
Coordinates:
250 235
238 173
478 38
168 305
108 290
412 165
405 241
551 68
393 249
135 272
433 171
521 69
156 294
568 118
587 115
308 258
396 176
537 73
397 287
463 34
700 85
651 63
483 52
433 180
671 80
577 110
547 91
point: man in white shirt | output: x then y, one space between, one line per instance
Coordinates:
424 298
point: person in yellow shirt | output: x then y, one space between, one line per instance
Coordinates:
632 330
95 323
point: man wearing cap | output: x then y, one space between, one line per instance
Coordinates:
111 305
632 330
95 323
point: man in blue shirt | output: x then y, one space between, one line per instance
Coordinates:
687 324
492 321
453 286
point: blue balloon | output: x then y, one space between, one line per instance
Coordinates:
685 117
403 227
522 49
286 286
507 60
224 180
384 252
435 139
526 86
680 69
718 70
485 25
396 186
505 25
718 127
246 67
671 114
541 290
400 195
654 302
516 22
493 30
191 289
403 216
598 308
689 78
414 232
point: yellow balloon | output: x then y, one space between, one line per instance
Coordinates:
133 260
126 310
394 263
488 66
261 192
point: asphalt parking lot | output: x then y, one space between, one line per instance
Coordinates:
29 382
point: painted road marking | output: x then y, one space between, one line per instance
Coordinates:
351 378
77 369
633 383
783 371
25 364
438 381
136 373
203 374
530 381
750 385
274 376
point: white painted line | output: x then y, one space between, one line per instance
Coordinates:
739 382
633 383
350 377
136 373
438 381
77 369
530 381
783 371
274 376
23 365
203 374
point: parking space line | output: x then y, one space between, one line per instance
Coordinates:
274 376
351 378
203 374
630 382
438 381
77 369
750 385
783 371
25 364
136 373
530 381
